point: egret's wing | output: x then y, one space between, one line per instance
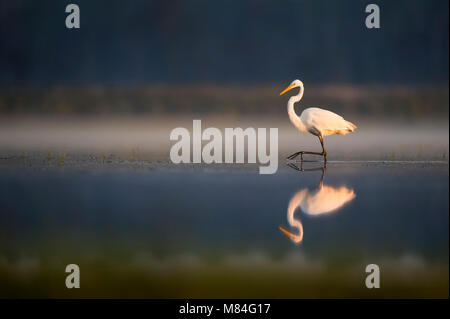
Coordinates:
326 122
327 200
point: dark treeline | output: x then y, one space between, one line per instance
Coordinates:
399 103
220 42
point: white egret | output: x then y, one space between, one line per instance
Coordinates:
316 121
324 200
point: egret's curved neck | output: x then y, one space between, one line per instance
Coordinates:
294 203
295 119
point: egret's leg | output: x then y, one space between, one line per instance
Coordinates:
301 169
292 156
323 153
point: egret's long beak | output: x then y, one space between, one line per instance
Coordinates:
295 238
287 89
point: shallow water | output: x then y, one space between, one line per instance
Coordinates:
221 232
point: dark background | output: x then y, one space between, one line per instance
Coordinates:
223 42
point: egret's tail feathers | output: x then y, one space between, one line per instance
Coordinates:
350 127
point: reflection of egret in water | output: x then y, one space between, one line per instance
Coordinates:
325 199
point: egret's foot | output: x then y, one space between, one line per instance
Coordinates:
291 165
301 169
292 156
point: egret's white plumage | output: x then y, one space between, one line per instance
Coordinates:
325 200
316 121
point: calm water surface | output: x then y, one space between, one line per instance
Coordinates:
217 232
